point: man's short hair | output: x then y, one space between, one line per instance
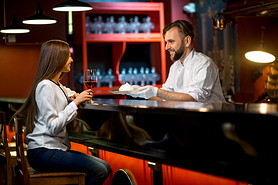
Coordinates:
184 27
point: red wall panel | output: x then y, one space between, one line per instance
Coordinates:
179 176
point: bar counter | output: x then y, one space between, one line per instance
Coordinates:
236 141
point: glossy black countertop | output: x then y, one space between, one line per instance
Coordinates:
237 141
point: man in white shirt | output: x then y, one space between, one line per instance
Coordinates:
192 77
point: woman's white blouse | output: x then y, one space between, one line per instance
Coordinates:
53 114
198 76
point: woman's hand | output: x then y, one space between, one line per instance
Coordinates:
83 96
74 96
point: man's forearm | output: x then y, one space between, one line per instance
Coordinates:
174 96
155 98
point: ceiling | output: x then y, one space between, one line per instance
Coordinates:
243 8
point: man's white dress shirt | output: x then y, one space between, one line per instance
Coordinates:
198 76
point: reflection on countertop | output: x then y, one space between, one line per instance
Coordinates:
179 106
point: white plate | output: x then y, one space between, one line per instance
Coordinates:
119 92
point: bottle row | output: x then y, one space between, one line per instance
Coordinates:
98 26
144 76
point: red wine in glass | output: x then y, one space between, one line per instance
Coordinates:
90 84
90 78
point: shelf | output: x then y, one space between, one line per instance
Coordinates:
128 37
100 91
119 42
127 6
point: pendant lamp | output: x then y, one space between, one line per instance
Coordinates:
260 56
14 28
39 18
72 5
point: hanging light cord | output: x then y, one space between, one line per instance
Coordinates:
4 21
262 38
4 11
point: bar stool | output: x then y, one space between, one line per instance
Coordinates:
28 176
123 177
5 156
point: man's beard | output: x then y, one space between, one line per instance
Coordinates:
178 53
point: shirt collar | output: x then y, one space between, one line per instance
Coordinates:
55 82
188 58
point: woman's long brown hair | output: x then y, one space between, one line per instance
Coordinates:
53 57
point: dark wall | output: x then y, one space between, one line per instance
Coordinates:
38 33
18 61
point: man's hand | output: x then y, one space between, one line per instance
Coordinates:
144 92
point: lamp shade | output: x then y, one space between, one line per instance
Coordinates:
72 5
39 18
14 28
259 56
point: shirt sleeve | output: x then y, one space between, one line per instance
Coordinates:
68 91
168 85
53 108
205 76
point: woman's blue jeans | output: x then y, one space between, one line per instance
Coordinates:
42 159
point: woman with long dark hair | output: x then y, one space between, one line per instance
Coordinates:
48 109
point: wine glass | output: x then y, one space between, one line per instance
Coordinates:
90 78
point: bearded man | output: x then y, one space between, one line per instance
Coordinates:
192 77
